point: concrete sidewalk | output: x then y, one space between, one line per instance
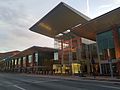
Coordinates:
98 78
101 78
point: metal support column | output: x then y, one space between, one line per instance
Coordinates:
79 49
88 60
99 58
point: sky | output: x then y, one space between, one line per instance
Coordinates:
17 16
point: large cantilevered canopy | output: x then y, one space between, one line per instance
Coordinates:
100 24
58 20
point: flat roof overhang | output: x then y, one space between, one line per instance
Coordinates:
34 49
100 24
58 20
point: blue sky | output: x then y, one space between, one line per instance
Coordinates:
17 16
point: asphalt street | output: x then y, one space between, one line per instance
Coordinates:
30 82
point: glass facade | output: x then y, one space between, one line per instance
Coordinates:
12 62
19 61
105 43
15 61
30 58
24 61
55 55
36 58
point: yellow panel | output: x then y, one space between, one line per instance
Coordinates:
75 68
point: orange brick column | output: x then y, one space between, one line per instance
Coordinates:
27 64
62 52
116 41
117 45
33 63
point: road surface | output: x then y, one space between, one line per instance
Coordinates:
30 82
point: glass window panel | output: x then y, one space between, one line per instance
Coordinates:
36 57
105 41
15 61
12 62
55 55
30 58
19 61
24 61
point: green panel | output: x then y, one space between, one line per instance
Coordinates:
105 40
40 58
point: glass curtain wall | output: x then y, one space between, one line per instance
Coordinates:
30 57
24 61
19 62
36 59
105 42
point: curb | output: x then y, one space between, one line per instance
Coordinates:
77 78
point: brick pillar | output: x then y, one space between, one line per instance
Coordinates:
116 41
17 62
62 52
70 55
70 51
33 61
62 56
10 65
27 64
117 45
118 68
79 43
13 63
21 63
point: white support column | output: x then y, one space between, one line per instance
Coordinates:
99 57
79 49
70 52
88 60
62 48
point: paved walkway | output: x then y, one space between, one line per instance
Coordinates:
99 78
103 78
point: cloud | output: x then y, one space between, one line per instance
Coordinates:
116 1
14 24
13 20
13 15
104 6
